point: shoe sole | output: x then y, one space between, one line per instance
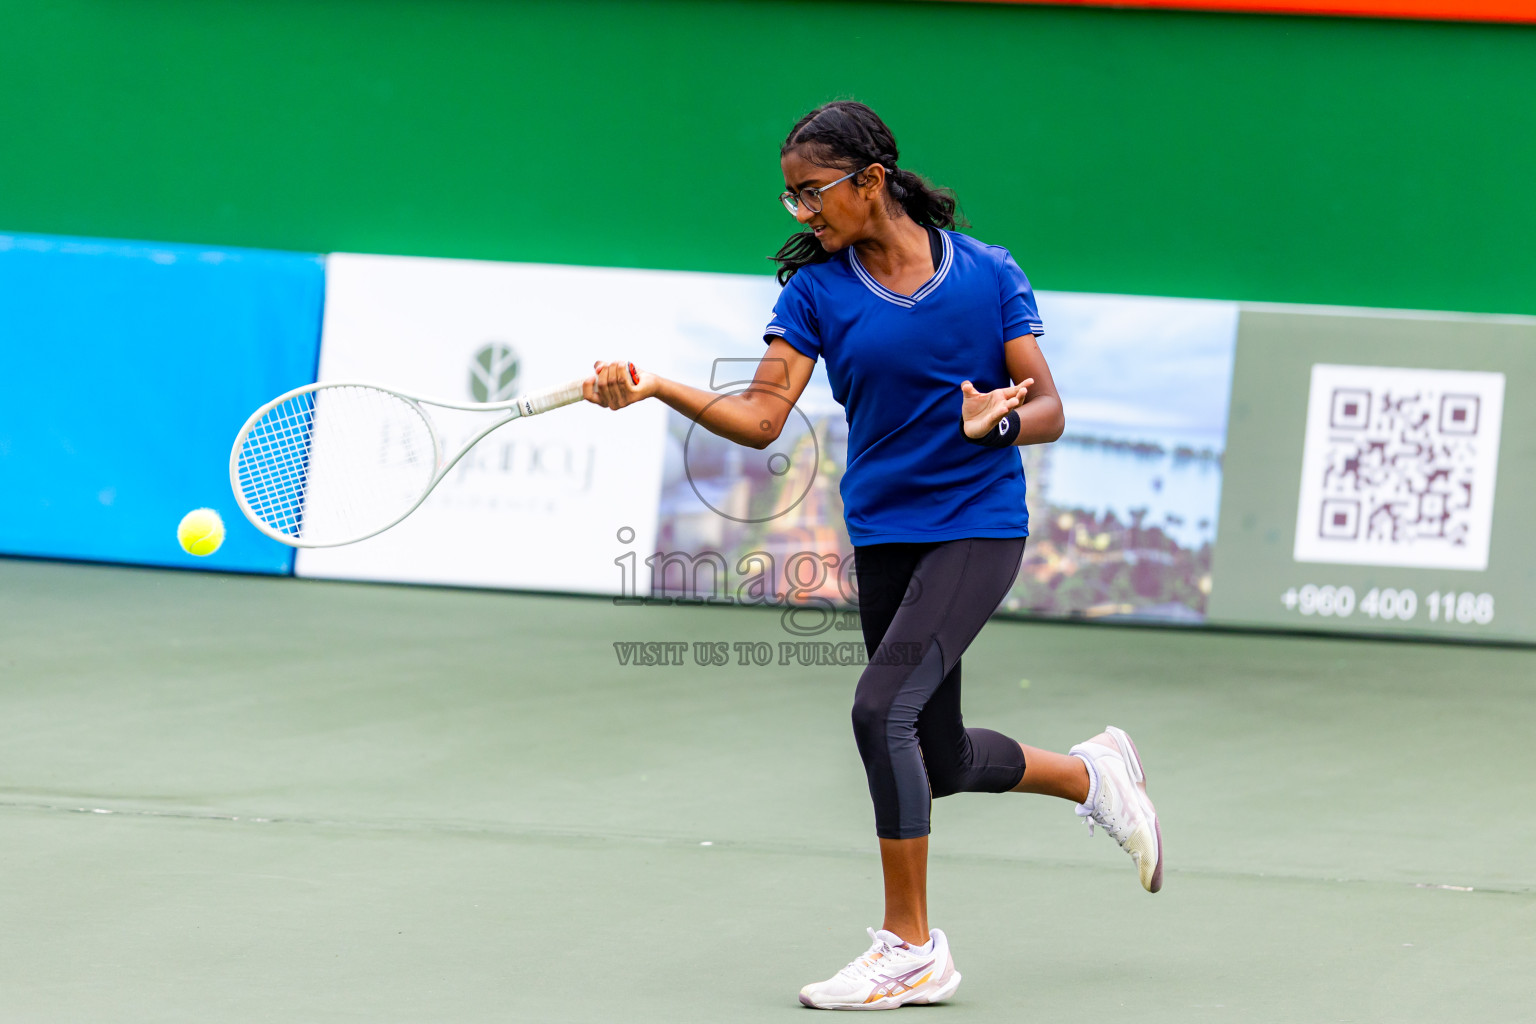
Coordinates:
1139 776
944 992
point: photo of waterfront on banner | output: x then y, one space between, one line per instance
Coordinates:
1123 509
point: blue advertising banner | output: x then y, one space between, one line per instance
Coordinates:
126 369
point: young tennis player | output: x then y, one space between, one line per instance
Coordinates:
930 342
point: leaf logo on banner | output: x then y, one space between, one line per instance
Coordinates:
493 373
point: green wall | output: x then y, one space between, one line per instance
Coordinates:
1288 159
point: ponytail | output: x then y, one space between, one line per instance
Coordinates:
848 135
923 202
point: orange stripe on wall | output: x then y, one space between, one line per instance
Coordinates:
1511 11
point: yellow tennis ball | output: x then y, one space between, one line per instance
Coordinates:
201 532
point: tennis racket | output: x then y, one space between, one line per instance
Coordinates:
335 463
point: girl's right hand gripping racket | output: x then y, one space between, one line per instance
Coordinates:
331 464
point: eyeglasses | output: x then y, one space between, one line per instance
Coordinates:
811 197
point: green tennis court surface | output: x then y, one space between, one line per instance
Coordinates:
246 799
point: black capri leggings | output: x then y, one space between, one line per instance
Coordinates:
920 606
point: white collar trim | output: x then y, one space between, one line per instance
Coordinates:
906 301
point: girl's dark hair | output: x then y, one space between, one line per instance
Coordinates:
848 135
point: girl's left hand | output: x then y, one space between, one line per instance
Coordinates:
982 411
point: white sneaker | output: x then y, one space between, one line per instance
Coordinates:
891 973
1117 801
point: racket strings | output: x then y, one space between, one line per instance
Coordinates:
274 464
336 464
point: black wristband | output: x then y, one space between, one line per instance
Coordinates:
1004 435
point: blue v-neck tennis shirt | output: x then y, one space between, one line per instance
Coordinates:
896 362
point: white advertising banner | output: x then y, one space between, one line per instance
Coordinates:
643 503
544 503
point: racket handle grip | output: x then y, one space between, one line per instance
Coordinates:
554 398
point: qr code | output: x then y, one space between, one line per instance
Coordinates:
1399 466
